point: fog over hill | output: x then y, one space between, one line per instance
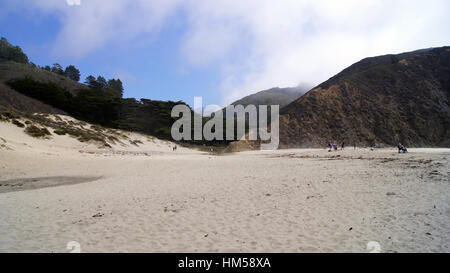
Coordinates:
275 96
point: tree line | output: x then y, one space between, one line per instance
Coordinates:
101 83
13 53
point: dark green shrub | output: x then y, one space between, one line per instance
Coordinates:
60 132
135 142
18 123
8 114
37 132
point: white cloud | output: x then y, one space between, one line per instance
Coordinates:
259 44
287 42
95 23
73 2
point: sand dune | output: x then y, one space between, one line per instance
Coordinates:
148 198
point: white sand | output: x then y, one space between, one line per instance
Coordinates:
157 200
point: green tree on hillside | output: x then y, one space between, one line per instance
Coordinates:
102 83
57 68
72 72
91 82
11 53
116 85
111 87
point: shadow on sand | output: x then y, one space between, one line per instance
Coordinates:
23 184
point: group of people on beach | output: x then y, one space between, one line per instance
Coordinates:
334 146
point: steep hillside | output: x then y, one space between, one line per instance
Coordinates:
386 99
12 70
11 99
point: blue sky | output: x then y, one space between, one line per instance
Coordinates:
221 50
149 67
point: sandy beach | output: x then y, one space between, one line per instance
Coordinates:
149 198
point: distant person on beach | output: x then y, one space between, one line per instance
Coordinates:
404 150
354 146
329 146
174 148
343 145
335 146
400 147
